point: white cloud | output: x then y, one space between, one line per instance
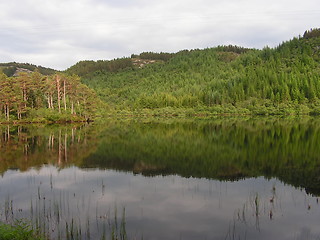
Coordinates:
58 33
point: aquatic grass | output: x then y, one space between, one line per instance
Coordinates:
53 218
119 232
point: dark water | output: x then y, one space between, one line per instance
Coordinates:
165 179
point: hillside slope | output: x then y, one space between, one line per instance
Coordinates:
280 80
13 69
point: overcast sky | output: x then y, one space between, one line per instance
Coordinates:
59 33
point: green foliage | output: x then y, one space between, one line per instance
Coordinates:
83 68
10 68
9 71
312 33
19 230
35 97
233 48
154 56
226 79
50 115
268 81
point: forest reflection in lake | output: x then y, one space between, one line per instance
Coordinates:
165 179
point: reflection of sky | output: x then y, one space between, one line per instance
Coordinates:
168 207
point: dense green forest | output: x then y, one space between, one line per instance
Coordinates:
83 68
224 79
221 80
86 68
39 98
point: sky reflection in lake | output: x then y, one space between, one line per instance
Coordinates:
167 207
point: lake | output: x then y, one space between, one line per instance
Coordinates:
222 178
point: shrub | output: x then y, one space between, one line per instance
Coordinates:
20 230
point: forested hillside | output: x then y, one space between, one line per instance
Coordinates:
221 80
14 68
225 79
85 68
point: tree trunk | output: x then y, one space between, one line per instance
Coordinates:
8 112
51 101
49 142
24 94
8 132
48 98
72 108
5 110
58 92
64 95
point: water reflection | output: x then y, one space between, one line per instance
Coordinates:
162 207
23 147
222 149
194 179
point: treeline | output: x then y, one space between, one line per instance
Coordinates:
10 68
281 80
57 95
233 48
83 68
154 56
163 56
312 33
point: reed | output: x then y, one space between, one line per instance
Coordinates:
53 219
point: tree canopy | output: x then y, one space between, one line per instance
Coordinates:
271 80
53 97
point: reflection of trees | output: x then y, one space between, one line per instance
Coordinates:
218 149
221 149
23 147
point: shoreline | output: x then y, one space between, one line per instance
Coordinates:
25 122
170 112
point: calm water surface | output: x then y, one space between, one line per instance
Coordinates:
165 179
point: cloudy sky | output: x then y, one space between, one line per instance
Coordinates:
59 33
